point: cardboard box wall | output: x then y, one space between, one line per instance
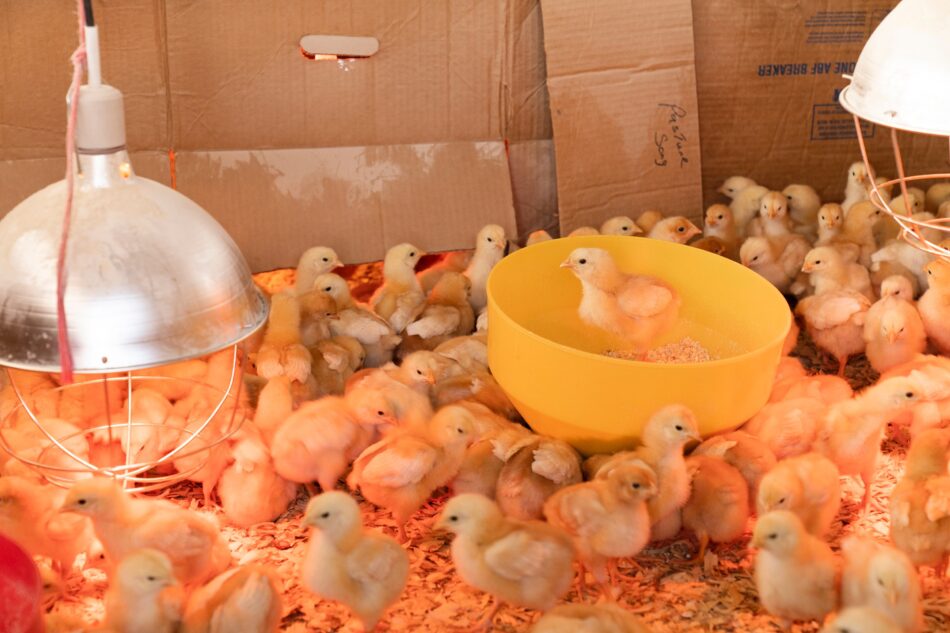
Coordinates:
450 125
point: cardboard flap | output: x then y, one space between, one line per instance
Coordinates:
359 200
623 103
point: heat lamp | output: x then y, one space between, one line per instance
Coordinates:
152 279
902 81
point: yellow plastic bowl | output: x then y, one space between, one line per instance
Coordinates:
552 365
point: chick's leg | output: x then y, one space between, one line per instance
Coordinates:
487 623
703 544
842 363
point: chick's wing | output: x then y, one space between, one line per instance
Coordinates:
519 555
557 462
406 461
643 297
373 560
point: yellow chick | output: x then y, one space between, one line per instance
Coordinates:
880 576
807 485
476 386
250 489
314 262
144 596
373 332
620 225
318 441
447 314
183 377
743 451
852 431
779 259
920 502
934 305
733 185
745 206
402 470
803 204
536 237
856 188
29 515
907 256
675 228
648 219
582 618
835 322
282 352
909 286
893 330
470 352
637 308
796 573
828 270
788 426
363 569
275 403
489 250
380 399
718 222
535 467
821 387
246 599
607 518
480 468
526 563
583 231
317 309
718 506
830 222
861 620
858 230
711 244
772 220
453 261
910 205
335 360
124 524
400 299
936 195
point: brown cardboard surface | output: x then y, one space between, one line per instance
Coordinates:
768 77
36 40
534 186
623 105
528 116
360 200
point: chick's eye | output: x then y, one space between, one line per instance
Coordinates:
756 258
880 581
453 518
380 413
326 259
636 485
328 289
412 253
460 430
81 502
419 371
325 515
150 578
679 427
719 217
681 229
489 239
773 536
817 261
909 394
582 261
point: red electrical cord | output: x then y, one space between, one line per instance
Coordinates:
78 59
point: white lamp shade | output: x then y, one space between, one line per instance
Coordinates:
902 78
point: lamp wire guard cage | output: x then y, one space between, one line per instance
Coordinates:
926 234
61 465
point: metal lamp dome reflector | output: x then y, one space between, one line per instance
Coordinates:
152 279
902 81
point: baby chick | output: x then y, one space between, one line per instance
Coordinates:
451 262
936 195
318 441
382 399
144 596
807 485
582 618
827 270
733 185
835 322
400 299
246 599
29 515
250 490
124 524
373 332
637 308
363 569
907 256
773 217
796 573
607 518
475 386
711 244
852 431
282 352
779 260
858 230
743 451
856 188
675 228
314 262
402 470
528 564
788 426
745 206
489 250
903 282
718 506
821 387
535 467
620 225
536 237
893 329
861 620
880 576
803 204
934 305
470 352
447 314
648 219
583 231
719 223
920 503
830 222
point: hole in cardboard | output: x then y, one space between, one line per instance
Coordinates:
330 47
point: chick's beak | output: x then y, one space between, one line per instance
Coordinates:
337 264
441 524
891 336
567 264
430 378
696 436
755 541
807 267
892 597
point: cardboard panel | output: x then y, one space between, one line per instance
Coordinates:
22 178
623 102
36 40
238 79
769 75
528 115
534 186
359 200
